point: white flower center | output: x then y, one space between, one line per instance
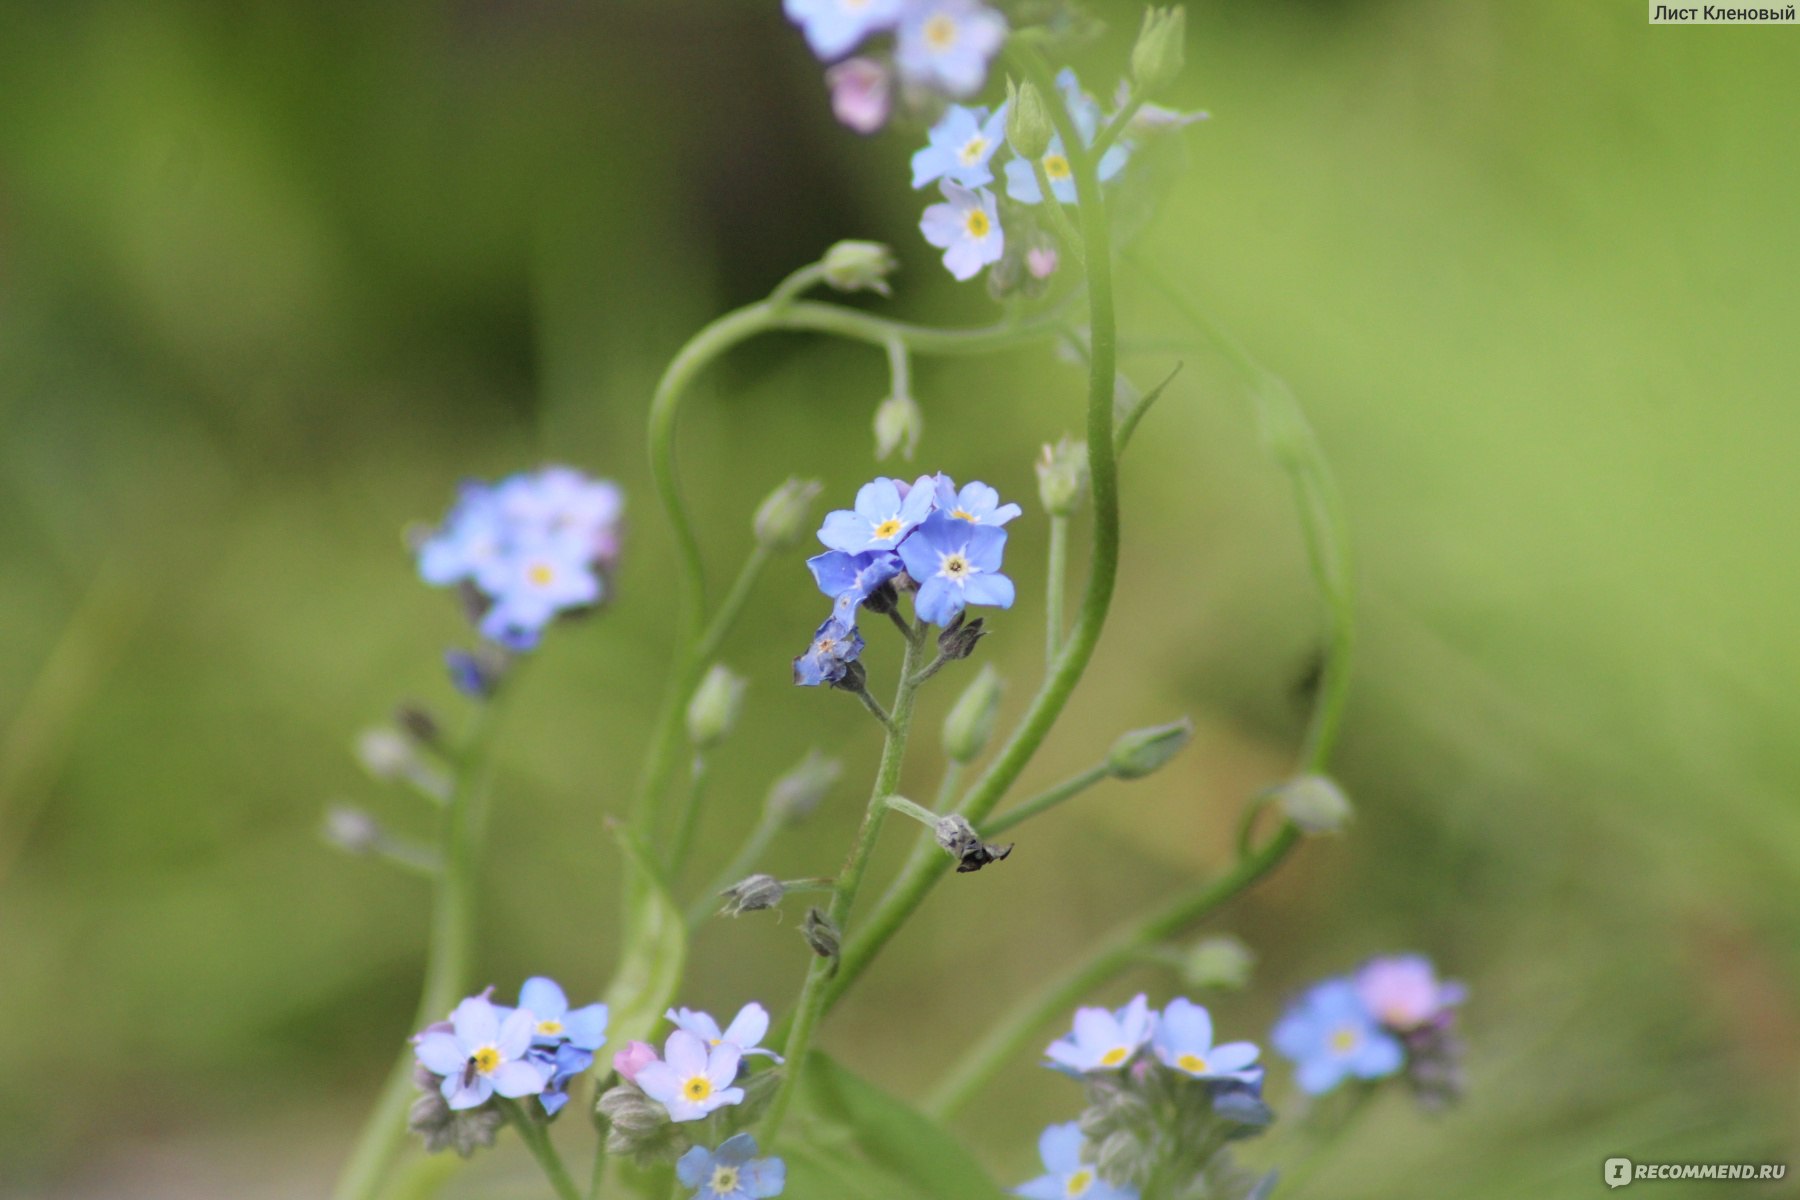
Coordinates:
956 567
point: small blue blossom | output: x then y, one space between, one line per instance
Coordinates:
966 227
732 1172
1183 1042
1068 1177
834 27
976 503
746 1030
945 45
563 1063
691 1081
1332 1036
472 538
834 647
839 574
886 511
584 1028
1103 1040
530 586
960 146
956 564
1021 180
481 1053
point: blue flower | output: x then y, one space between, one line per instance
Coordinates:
834 27
584 1028
563 1063
690 1081
1331 1036
946 44
834 647
1021 180
1183 1042
731 1172
1069 1178
956 563
530 586
746 1030
839 574
966 228
1103 1040
481 1054
960 146
976 503
471 538
886 511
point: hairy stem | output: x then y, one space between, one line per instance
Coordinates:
537 1139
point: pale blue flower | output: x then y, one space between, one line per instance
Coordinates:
563 1063
966 227
976 503
839 574
1331 1036
956 564
481 1054
746 1030
529 586
689 1080
945 45
960 146
886 511
732 1172
835 645
583 1027
834 27
1104 1040
1021 180
472 537
1183 1042
1068 1178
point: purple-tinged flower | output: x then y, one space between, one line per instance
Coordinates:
839 574
481 1054
584 1028
732 1172
834 27
1183 1042
886 511
976 503
690 1081
563 1063
1041 261
530 586
945 45
634 1058
1068 1178
1402 991
960 146
956 564
1103 1040
966 227
1331 1036
746 1030
861 94
562 503
834 647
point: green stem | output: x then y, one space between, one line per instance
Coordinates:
803 280
1117 125
1044 801
688 817
913 809
537 1139
1120 949
907 892
813 994
447 961
1055 576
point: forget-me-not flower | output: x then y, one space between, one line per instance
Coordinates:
1068 1178
861 94
839 574
966 227
956 563
960 146
886 511
1022 182
530 586
1183 1042
563 1063
583 1027
1331 1036
481 1054
1104 1040
690 1080
472 538
834 647
834 27
976 503
732 1172
1402 991
746 1030
945 45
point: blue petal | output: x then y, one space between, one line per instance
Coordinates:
694 1166
995 591
938 601
1059 1146
543 998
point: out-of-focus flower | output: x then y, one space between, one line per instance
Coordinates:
746 1030
1403 992
960 146
1104 1040
1183 1042
966 227
732 1172
945 45
833 28
481 1054
1067 1177
956 564
861 94
691 1081
1331 1036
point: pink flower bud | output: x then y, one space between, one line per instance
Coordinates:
634 1058
860 90
1041 261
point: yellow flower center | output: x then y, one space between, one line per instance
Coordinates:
697 1088
1056 166
540 574
1115 1056
963 514
940 32
1193 1064
1079 1183
972 150
887 529
550 1028
977 223
485 1060
725 1180
1344 1040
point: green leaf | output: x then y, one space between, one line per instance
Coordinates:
902 1148
654 953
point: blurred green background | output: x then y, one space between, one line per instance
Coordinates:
273 277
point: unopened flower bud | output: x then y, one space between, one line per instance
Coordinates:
715 706
783 517
821 933
1220 961
1161 50
795 795
1028 126
853 266
637 1127
883 600
462 1130
351 830
751 895
1142 751
861 93
632 1059
898 424
476 674
1314 804
854 679
1062 472
1122 1159
419 725
959 637
958 838
385 753
970 722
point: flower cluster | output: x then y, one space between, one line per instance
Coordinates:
1163 1103
940 47
485 1050
526 549
1393 1014
930 536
